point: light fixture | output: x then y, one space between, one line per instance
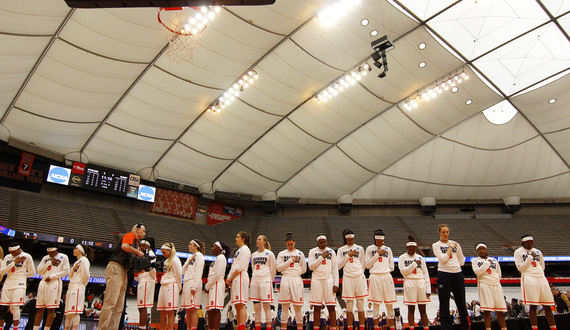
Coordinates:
373 33
422 64
551 101
334 12
438 87
364 22
381 46
422 46
350 78
231 93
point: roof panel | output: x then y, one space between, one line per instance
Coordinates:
31 17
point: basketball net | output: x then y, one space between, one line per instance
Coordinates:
183 27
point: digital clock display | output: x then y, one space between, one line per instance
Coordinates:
61 239
106 180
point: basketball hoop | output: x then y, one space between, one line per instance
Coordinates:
183 27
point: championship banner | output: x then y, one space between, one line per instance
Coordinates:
220 212
12 178
26 164
174 203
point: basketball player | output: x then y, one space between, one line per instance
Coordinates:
216 286
146 283
52 267
380 262
261 286
292 264
170 286
491 294
324 281
417 287
535 288
78 279
192 290
351 259
238 278
19 266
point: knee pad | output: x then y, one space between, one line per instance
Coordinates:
16 313
3 312
390 311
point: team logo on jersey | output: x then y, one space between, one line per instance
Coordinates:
141 301
169 304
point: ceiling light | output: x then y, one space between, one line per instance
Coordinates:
364 22
422 64
468 101
374 33
551 101
454 89
422 45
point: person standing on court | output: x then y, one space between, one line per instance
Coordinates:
78 279
261 286
491 294
238 278
324 281
52 268
535 288
292 264
19 266
116 277
450 278
351 259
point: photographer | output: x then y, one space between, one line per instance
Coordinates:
116 277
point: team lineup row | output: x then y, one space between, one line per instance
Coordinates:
19 265
325 264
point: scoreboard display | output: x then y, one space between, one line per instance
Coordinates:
26 235
102 179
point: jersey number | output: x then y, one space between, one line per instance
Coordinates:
292 265
488 271
380 259
534 264
351 259
257 267
415 271
324 262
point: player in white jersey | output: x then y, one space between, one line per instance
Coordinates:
146 282
535 288
450 278
216 286
351 260
52 268
380 261
491 294
417 287
192 289
324 280
170 286
292 264
78 279
261 286
19 266
238 278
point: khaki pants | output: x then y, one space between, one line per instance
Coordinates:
115 289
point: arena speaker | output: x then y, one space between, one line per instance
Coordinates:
345 204
512 204
269 203
428 205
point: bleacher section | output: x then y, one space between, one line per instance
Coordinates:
48 215
55 216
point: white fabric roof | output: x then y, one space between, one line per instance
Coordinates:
95 85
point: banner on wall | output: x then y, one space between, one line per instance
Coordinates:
174 203
11 177
26 163
221 212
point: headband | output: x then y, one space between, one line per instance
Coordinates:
411 244
194 242
166 247
480 245
80 248
220 246
321 237
379 237
13 248
51 249
349 236
527 238
144 242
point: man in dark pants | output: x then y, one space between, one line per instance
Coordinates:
29 308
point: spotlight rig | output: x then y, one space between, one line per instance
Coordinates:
381 46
